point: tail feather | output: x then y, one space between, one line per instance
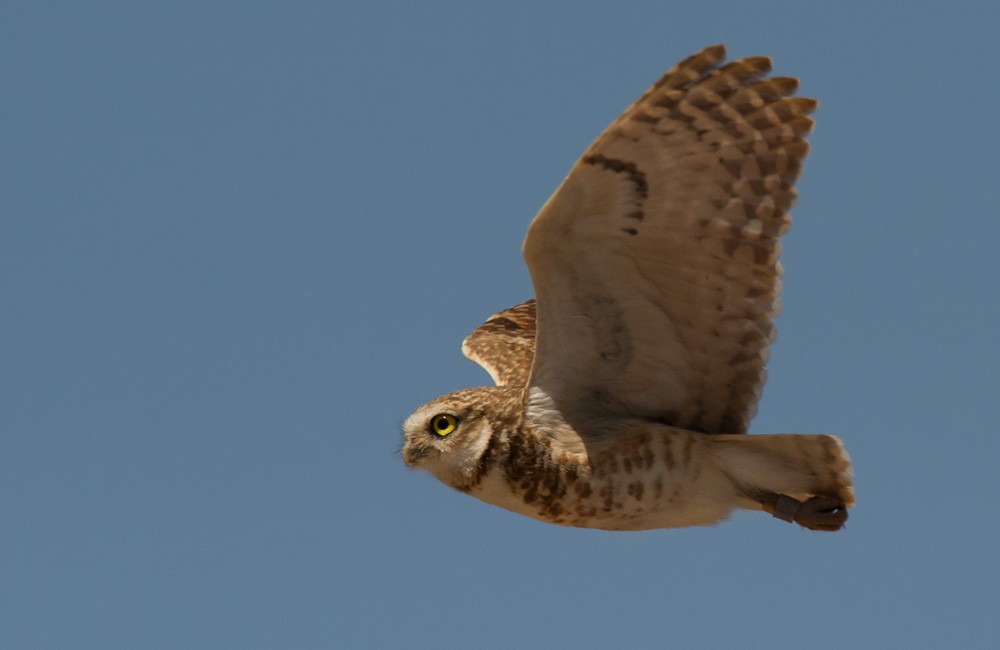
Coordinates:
799 465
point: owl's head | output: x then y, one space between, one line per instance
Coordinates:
448 436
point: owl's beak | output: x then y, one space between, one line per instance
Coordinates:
413 454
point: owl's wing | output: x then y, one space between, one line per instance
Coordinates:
655 263
505 344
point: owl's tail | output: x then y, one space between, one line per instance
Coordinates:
800 466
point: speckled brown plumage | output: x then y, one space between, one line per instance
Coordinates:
505 344
623 393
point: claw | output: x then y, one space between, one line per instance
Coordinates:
816 513
821 513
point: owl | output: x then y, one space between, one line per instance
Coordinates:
624 389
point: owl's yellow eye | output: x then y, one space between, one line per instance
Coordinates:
443 423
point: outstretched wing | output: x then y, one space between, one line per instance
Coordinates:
655 263
505 344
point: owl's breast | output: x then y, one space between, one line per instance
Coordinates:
653 476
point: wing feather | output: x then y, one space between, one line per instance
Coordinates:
655 263
505 344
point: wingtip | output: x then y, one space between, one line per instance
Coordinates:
716 51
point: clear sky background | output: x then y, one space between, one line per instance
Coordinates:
241 241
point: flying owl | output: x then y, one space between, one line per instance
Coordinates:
625 388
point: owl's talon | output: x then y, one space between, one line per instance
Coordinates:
821 513
816 513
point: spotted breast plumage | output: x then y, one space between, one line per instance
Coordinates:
624 390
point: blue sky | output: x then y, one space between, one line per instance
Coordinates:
240 242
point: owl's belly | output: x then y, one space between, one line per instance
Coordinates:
662 481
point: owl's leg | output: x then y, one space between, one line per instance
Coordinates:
815 513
